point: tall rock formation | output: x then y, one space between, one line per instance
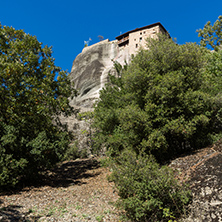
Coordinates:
91 68
89 75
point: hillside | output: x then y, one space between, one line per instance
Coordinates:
79 191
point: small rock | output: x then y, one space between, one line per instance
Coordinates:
208 191
215 203
213 216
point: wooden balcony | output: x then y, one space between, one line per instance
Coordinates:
123 41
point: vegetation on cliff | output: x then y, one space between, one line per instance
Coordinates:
165 103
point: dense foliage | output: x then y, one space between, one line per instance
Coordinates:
147 191
166 102
31 135
162 103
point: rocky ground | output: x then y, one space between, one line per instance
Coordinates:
79 191
74 191
203 171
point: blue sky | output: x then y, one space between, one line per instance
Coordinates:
66 24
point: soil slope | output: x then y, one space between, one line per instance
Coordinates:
79 191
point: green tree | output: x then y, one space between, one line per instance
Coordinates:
211 35
31 136
160 103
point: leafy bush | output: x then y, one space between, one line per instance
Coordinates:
73 152
32 137
160 103
147 191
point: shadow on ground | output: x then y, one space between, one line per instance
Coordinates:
63 175
12 214
70 173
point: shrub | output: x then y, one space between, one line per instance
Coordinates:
147 191
72 152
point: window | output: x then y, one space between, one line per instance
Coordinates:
140 33
144 32
140 39
136 45
134 39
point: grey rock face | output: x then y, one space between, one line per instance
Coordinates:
90 71
91 68
89 75
203 172
81 130
206 185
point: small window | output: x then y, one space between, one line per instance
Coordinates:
141 39
140 33
144 32
134 39
136 45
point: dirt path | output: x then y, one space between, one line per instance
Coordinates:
74 191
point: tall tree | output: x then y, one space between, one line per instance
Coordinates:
31 99
159 104
211 35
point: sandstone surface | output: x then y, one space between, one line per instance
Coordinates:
91 68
